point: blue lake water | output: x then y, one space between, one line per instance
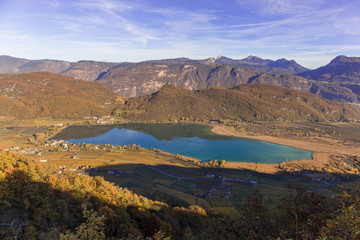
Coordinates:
185 139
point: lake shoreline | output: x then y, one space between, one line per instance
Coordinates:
193 140
321 153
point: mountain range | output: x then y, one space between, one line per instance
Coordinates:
45 94
339 80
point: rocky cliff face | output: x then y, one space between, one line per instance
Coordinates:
148 77
87 70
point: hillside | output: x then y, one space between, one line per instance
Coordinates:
42 203
43 94
245 102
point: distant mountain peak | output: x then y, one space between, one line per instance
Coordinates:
283 60
256 59
339 59
252 58
214 59
341 73
344 59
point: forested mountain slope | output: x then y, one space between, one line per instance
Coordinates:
246 102
44 94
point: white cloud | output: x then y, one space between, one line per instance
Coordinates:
137 30
106 6
274 7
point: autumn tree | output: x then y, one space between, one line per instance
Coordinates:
303 214
91 229
256 218
345 222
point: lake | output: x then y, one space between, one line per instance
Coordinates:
186 139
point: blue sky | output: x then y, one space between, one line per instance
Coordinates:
312 32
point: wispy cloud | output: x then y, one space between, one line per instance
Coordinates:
106 6
279 7
161 29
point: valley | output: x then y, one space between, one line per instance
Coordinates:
179 120
183 181
39 107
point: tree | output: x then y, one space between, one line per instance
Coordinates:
256 218
345 223
222 163
15 228
161 236
91 229
303 213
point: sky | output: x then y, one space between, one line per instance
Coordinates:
311 32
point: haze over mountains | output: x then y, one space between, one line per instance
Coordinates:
339 80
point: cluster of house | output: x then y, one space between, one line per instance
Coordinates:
55 143
103 120
224 187
79 170
66 145
118 172
31 151
222 190
83 168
